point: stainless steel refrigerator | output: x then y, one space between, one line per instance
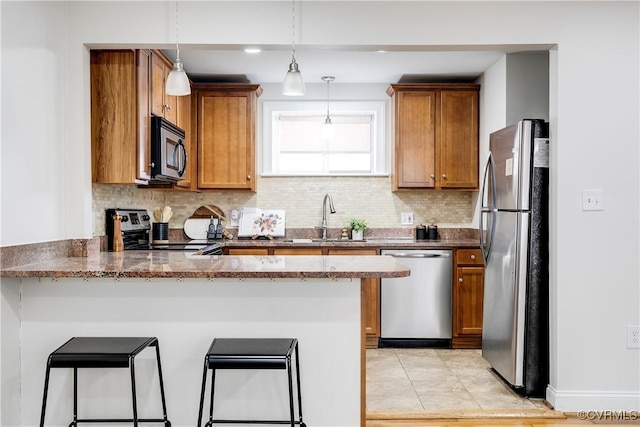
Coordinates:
514 240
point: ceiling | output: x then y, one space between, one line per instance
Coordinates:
385 64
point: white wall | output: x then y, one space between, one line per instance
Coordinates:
594 125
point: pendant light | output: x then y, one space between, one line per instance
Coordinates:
177 81
293 84
328 131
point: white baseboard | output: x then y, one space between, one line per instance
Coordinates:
594 400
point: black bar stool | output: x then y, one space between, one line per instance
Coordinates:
102 352
251 353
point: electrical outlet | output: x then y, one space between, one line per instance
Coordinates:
592 200
406 218
633 336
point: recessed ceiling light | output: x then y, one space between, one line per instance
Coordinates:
253 50
381 51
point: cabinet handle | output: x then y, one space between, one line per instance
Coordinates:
444 176
152 164
473 257
248 177
460 280
432 176
166 107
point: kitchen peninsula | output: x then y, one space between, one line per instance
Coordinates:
186 300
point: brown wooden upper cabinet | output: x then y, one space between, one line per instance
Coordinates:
162 105
127 87
226 117
435 135
120 116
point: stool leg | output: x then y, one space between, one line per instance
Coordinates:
204 384
133 393
213 386
298 383
290 377
75 398
45 392
164 404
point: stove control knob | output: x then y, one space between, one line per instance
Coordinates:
146 217
125 218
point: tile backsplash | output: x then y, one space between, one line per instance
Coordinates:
370 198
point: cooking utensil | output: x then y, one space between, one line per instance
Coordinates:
157 214
167 213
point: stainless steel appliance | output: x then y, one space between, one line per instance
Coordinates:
514 240
135 225
168 152
416 310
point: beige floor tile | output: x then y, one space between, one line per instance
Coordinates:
400 380
455 399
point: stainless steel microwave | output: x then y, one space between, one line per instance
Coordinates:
168 152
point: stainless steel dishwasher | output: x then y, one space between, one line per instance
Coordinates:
416 310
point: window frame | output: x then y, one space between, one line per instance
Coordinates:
376 108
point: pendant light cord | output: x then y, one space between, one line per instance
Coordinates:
328 81
177 47
293 30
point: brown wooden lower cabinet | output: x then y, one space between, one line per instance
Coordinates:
296 251
468 292
247 251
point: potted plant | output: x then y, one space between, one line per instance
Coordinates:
357 228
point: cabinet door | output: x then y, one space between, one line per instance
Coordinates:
467 301
370 290
415 120
297 251
120 140
162 105
183 121
248 251
225 139
457 142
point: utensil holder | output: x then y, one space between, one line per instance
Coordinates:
160 232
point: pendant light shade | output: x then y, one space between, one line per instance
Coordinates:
328 130
177 81
293 84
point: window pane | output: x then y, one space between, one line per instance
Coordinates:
349 163
300 163
296 140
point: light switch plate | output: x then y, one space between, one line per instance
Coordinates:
593 200
234 218
406 218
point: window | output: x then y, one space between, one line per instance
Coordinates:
295 141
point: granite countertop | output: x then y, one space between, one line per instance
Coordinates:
178 264
408 243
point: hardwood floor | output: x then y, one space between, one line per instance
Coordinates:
568 420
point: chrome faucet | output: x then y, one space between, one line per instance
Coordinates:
324 214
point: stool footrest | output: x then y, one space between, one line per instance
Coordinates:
120 420
255 422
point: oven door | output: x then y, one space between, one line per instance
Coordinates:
169 154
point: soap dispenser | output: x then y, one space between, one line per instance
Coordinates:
211 232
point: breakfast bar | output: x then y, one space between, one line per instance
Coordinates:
186 300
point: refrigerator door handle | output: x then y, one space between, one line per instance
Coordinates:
487 197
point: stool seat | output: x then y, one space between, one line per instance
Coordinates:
103 352
256 353
252 353
99 352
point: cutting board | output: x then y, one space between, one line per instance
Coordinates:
196 228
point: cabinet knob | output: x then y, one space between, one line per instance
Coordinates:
152 164
460 280
248 177
432 176
444 176
166 107
473 257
